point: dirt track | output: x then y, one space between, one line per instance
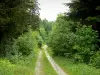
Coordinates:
56 67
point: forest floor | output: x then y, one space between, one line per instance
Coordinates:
40 65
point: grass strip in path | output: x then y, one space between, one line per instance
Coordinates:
56 67
48 69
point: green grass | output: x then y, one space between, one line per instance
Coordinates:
24 66
48 69
7 68
76 69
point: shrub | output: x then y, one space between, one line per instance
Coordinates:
6 67
77 58
95 60
23 47
78 43
39 41
86 42
25 43
61 38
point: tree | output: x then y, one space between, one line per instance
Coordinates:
86 12
45 28
78 43
16 17
82 9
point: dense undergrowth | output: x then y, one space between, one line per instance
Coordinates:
47 67
72 40
22 60
19 25
7 68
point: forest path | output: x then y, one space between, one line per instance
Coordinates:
56 67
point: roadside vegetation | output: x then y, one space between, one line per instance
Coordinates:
76 68
20 64
75 36
73 39
19 24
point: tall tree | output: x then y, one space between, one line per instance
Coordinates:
45 28
86 12
16 17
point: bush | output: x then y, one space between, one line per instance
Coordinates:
7 68
85 42
39 41
23 47
78 43
77 58
25 43
95 60
21 62
61 38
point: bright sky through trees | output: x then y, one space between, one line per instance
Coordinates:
50 8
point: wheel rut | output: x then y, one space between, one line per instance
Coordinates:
56 67
39 64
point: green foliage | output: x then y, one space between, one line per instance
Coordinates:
77 58
22 67
78 43
78 8
39 41
6 67
43 33
45 29
16 18
85 43
25 43
76 68
95 60
21 61
23 47
62 38
46 25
